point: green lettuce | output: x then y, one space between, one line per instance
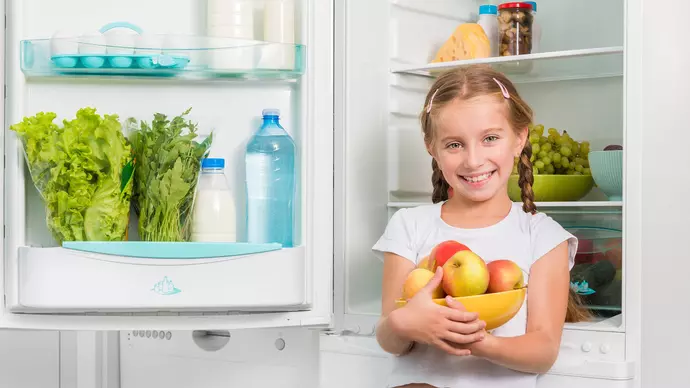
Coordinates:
83 171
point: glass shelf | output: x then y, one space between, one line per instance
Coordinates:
163 56
589 207
542 67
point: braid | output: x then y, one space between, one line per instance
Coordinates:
526 179
439 182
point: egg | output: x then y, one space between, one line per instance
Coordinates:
64 42
92 42
150 44
120 42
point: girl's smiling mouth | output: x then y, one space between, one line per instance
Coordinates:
477 180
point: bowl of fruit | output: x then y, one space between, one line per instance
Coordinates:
607 171
560 166
496 291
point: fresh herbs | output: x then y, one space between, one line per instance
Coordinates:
83 172
168 166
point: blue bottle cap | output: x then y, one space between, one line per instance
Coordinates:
270 112
534 5
213 163
488 9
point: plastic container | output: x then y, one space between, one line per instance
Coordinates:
231 19
536 29
214 206
515 21
279 27
270 180
488 19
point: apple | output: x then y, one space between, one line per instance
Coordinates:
424 263
504 275
465 274
443 251
416 280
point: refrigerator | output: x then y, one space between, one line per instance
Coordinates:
350 92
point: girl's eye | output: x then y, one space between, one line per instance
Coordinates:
454 145
491 138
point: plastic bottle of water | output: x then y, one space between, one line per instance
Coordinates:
270 178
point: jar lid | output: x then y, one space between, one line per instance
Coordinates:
213 163
534 5
520 4
488 9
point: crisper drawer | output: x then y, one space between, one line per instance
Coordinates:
68 280
593 354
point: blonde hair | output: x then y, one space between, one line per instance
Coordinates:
474 81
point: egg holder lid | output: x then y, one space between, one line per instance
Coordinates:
119 60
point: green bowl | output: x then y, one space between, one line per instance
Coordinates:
554 188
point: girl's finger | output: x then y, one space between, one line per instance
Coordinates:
461 316
463 338
466 328
441 344
454 304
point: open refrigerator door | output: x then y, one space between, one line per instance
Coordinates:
111 114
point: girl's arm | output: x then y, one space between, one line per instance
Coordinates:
421 320
537 349
395 270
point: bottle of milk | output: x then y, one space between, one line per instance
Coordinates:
214 206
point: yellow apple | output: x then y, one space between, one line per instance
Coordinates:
465 274
416 280
424 263
504 275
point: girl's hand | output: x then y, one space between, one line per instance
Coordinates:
423 321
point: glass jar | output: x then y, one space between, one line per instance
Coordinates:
515 25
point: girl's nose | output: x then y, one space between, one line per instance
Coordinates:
475 158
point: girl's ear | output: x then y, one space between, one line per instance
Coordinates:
522 140
430 149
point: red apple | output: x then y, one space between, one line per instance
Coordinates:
465 274
416 280
443 251
504 275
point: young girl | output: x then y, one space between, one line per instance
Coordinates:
475 125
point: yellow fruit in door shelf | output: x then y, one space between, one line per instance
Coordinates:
468 41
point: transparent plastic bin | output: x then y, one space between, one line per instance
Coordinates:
598 272
162 56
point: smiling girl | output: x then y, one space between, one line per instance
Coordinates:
475 124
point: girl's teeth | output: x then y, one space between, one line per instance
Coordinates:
478 178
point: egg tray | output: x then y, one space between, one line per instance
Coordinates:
119 62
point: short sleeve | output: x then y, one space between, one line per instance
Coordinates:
546 234
398 238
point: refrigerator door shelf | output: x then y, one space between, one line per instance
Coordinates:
59 280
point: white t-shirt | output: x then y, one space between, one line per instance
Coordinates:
521 237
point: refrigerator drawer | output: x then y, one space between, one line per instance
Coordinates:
58 280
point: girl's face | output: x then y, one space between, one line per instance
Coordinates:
475 147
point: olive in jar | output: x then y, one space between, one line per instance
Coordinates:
515 26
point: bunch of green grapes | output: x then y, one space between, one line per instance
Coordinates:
556 153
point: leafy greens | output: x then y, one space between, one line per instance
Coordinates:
83 171
168 167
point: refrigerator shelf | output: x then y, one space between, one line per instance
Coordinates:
600 62
170 56
61 280
577 207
